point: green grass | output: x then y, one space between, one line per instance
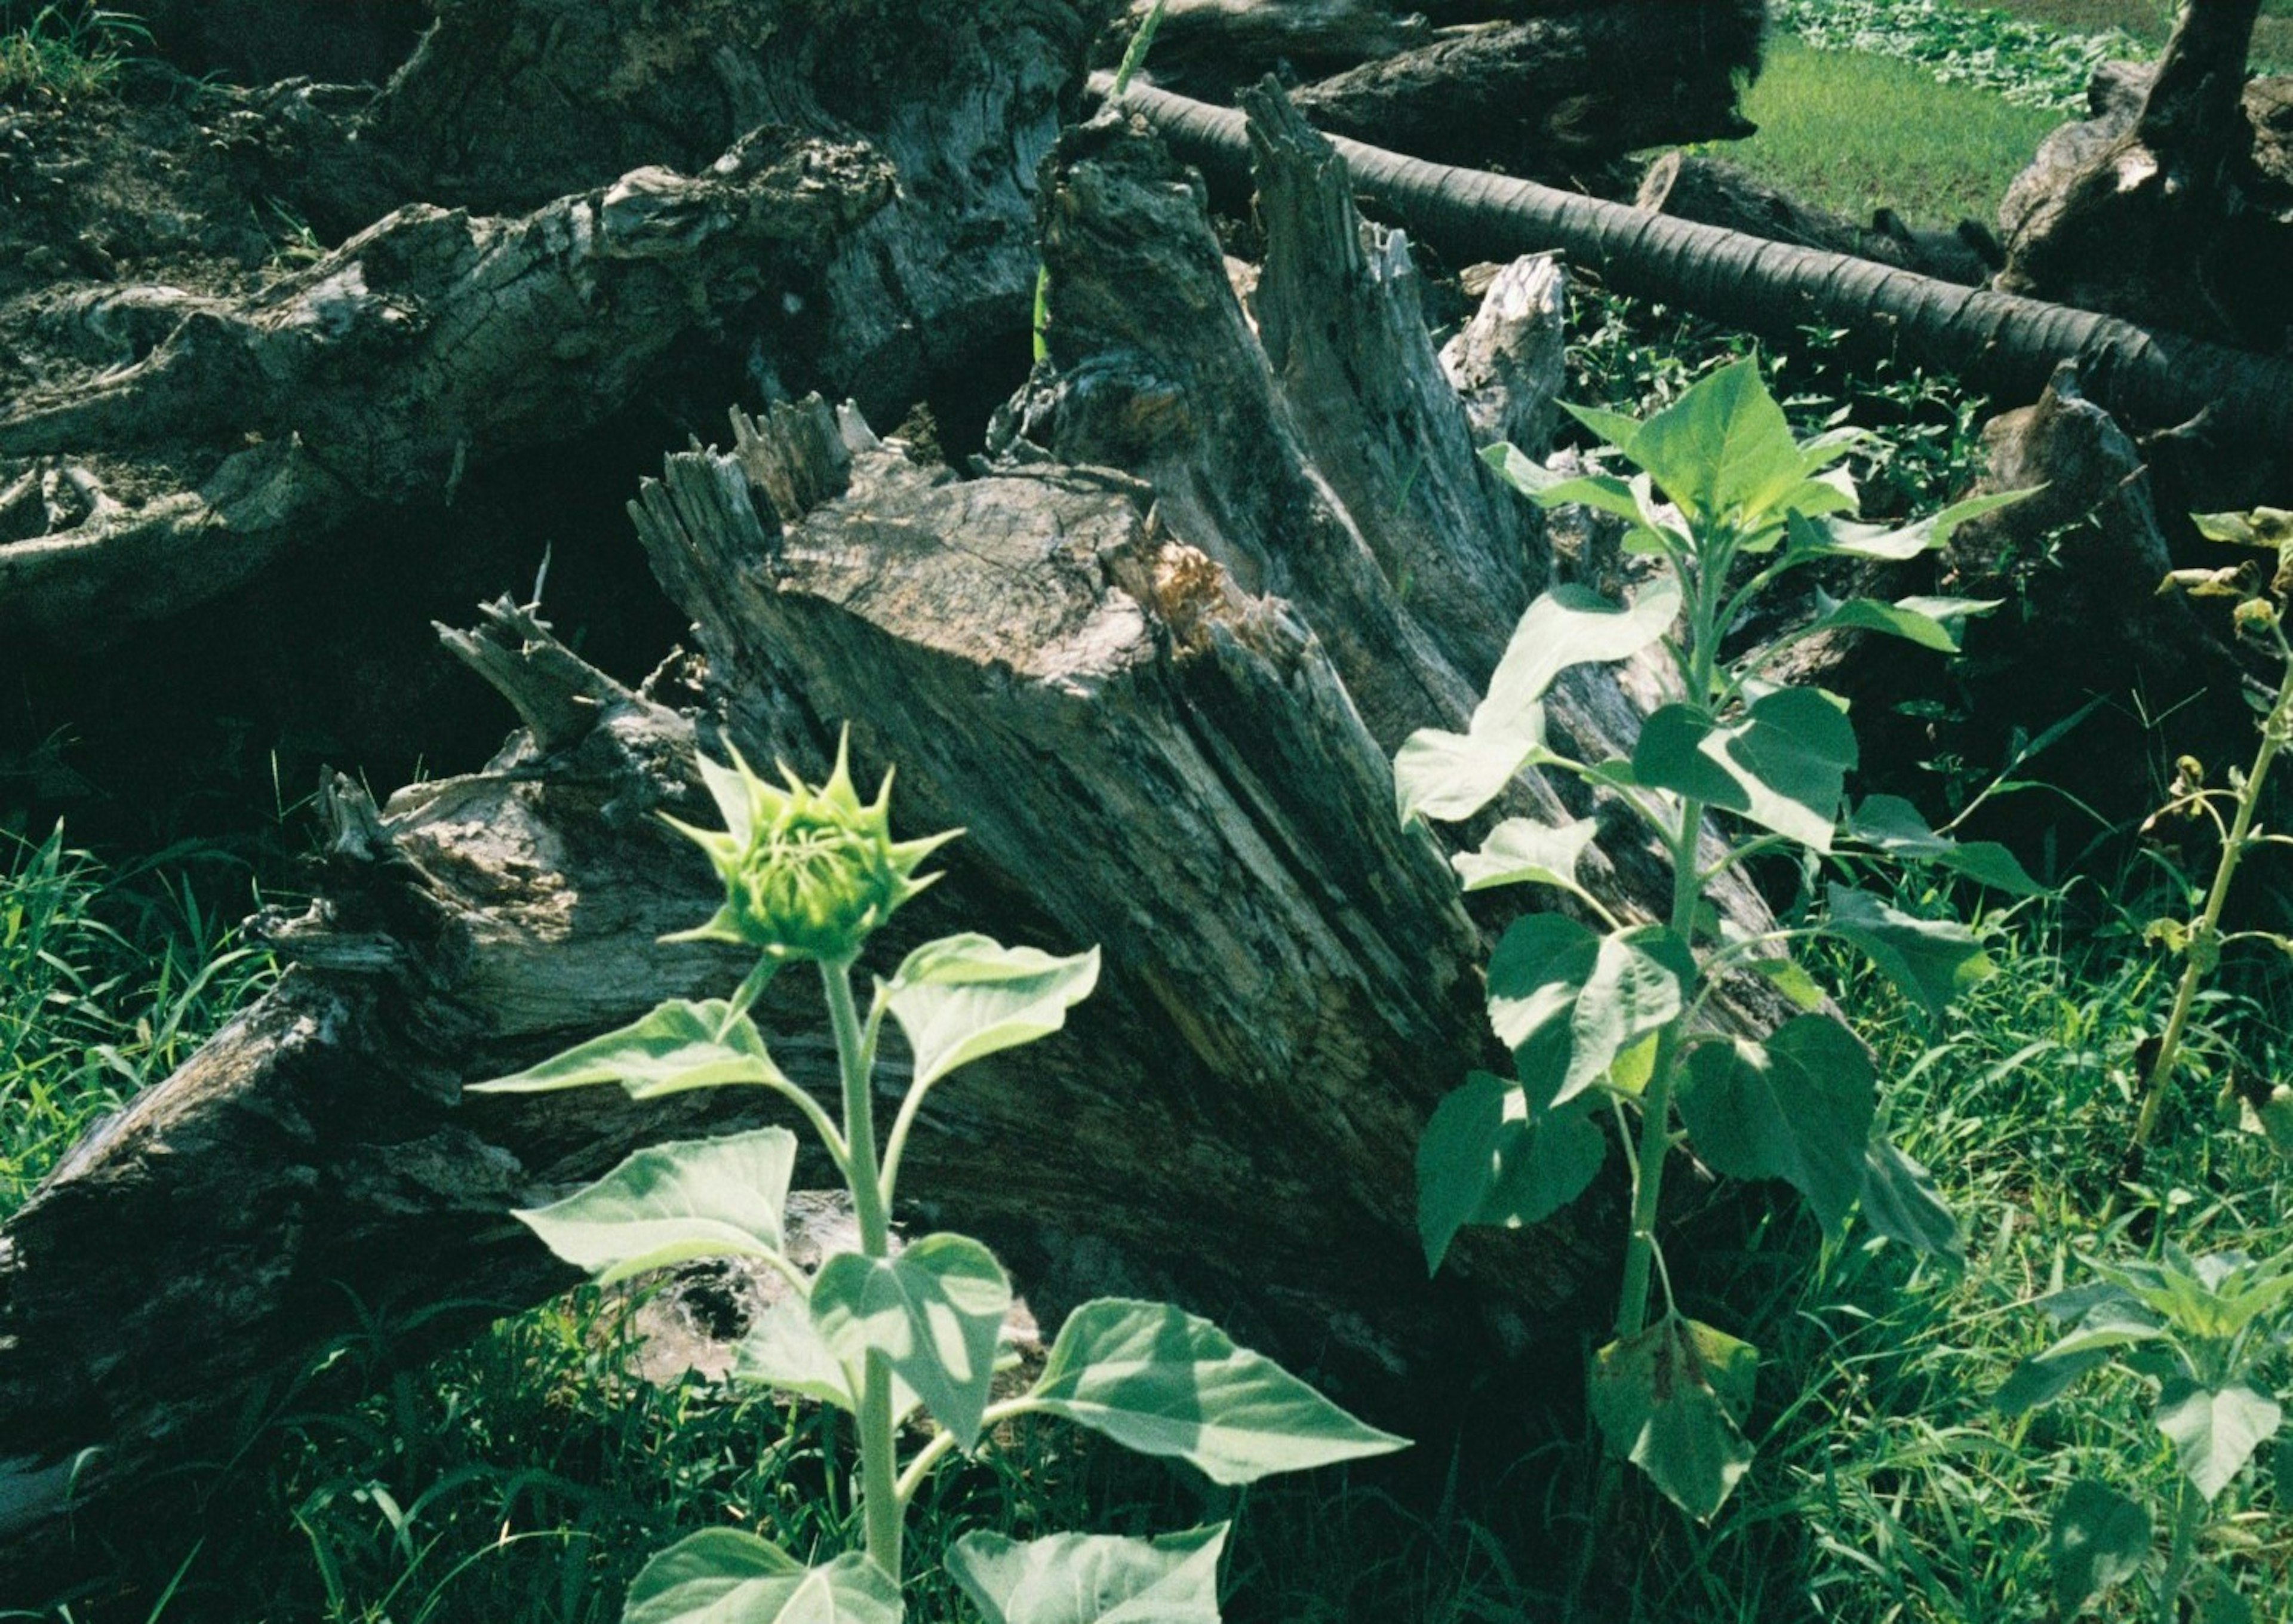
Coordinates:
1851 132
63 51
108 981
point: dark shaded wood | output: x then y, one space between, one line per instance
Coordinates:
1712 191
2169 206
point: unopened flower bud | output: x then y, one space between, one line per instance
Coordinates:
809 871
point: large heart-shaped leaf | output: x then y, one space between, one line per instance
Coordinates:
1672 1401
1163 1382
1932 960
681 1045
1485 1158
1901 1202
1572 626
1783 763
2100 1539
691 1197
1568 1002
1797 1108
1450 776
1092 1578
1522 853
783 1349
965 997
2215 1430
727 1576
1723 447
1893 826
934 1313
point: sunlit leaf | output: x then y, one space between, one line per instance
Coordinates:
2214 1429
1783 763
1568 1002
1723 447
1835 539
681 1045
692 1197
1932 623
934 1311
965 997
784 1350
1163 1382
1450 776
1520 851
1572 626
1092 1578
728 1576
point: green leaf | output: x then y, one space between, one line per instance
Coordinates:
727 1576
784 1350
1568 1002
962 998
1901 1202
1932 623
2219 1601
1450 776
1163 1382
1797 1108
1839 541
2100 1540
1672 1401
1092 1578
1932 960
1790 978
691 1197
2215 1430
934 1313
1520 851
1486 1158
1613 428
1893 825
1723 447
2044 1377
1572 626
1783 763
681 1045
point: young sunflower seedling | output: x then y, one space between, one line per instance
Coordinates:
1608 1018
2208 1333
810 872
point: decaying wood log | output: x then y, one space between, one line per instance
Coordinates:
1163 711
2170 206
2007 345
1548 87
380 372
1712 191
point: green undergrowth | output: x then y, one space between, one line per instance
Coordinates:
524 1477
109 979
1852 133
64 51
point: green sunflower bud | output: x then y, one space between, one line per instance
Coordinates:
809 871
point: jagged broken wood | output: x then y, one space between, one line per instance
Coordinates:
1154 660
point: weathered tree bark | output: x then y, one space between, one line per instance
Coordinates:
1712 191
1554 88
1163 707
2007 345
2168 207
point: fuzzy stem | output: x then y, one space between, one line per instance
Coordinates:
2205 934
879 1495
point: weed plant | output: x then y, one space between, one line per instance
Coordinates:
108 981
65 50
